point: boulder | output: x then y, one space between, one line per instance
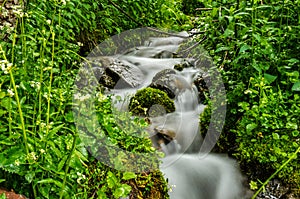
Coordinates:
116 74
168 81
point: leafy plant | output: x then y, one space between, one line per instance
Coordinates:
252 44
41 154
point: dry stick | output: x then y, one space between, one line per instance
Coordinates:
203 9
191 47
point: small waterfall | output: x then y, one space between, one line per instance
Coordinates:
191 177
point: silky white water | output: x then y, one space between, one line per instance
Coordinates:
191 175
208 177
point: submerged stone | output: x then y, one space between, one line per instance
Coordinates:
168 81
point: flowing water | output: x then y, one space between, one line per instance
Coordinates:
191 175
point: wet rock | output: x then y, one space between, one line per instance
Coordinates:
168 81
276 190
8 17
116 74
181 66
200 81
162 137
11 194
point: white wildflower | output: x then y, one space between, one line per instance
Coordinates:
8 68
63 2
42 151
4 11
3 65
43 124
32 156
17 162
49 126
10 92
48 21
80 97
18 11
46 95
80 44
80 177
34 84
77 96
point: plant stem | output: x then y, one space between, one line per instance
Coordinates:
68 164
50 85
276 172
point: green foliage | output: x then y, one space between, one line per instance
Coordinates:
151 101
190 6
3 196
41 154
253 44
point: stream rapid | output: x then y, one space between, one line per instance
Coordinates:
192 173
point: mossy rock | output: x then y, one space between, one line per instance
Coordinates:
149 185
151 102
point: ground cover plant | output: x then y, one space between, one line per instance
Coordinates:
253 44
41 47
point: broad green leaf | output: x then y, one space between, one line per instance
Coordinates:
275 136
269 78
5 102
2 112
53 131
295 133
3 196
49 181
293 60
30 176
229 33
250 127
273 158
111 180
122 191
128 175
2 95
242 14
223 48
23 99
296 86
291 125
256 66
244 48
62 163
257 37
119 192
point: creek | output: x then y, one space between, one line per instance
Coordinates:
192 173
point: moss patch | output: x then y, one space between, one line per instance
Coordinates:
151 102
149 185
